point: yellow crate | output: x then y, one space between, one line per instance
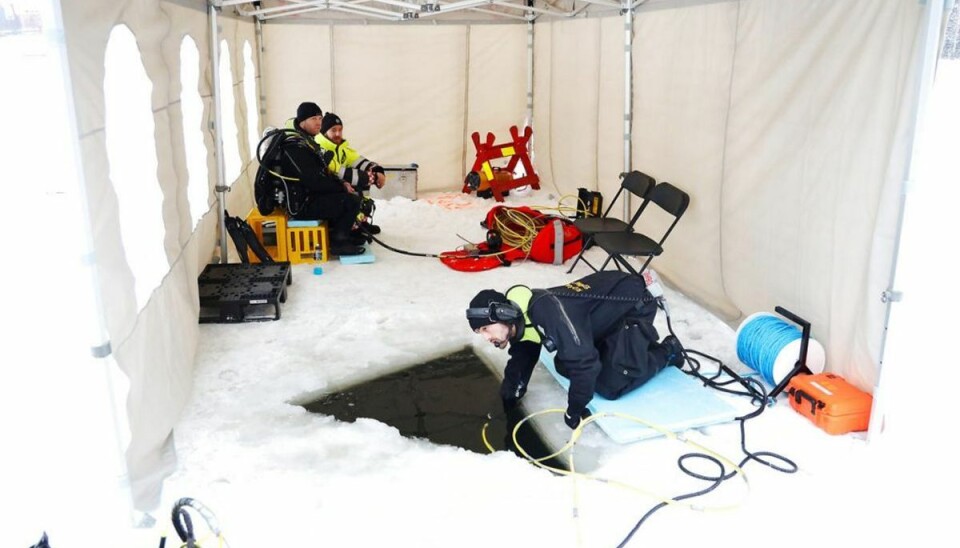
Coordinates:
271 230
302 242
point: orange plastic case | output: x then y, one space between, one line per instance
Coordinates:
833 404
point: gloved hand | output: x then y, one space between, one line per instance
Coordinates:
573 418
510 395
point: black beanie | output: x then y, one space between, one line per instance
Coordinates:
483 300
329 120
307 110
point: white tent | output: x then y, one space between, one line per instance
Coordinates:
791 125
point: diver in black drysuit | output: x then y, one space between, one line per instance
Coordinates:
600 326
320 195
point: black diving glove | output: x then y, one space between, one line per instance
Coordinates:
511 394
573 418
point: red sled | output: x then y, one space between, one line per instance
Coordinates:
465 261
543 248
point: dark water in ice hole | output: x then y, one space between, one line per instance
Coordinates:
446 401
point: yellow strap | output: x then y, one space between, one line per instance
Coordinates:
487 171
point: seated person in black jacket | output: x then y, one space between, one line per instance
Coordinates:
318 194
601 327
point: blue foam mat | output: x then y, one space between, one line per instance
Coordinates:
364 258
296 223
672 400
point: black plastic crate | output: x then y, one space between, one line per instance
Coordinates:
232 293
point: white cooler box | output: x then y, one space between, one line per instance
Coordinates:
401 181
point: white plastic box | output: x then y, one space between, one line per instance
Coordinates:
401 181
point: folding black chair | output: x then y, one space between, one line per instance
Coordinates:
629 243
635 182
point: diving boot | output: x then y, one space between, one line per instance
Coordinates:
343 244
343 250
675 352
357 238
369 228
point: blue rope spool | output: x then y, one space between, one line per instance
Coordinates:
771 347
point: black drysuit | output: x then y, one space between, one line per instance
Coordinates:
318 194
586 321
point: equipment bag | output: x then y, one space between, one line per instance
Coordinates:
551 229
589 203
545 249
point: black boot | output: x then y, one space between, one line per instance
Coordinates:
676 356
369 228
342 245
358 238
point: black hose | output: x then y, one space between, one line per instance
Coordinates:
716 481
182 523
750 388
395 250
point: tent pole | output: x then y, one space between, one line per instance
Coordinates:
262 106
929 52
627 12
221 187
529 121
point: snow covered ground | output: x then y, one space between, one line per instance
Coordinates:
275 474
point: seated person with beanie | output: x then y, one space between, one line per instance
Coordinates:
601 327
348 164
319 194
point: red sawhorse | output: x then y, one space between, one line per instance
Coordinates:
499 180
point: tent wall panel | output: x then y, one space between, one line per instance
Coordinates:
161 376
154 347
297 68
578 104
572 73
683 60
610 89
816 103
188 22
496 83
543 103
400 93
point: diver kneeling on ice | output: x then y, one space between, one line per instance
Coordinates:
601 327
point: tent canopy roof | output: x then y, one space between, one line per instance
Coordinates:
422 11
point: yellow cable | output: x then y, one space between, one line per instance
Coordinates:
560 207
574 437
517 229
221 541
515 240
275 174
483 434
